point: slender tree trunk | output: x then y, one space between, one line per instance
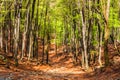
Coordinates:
30 46
16 31
100 44
37 30
1 37
44 32
1 34
32 25
25 34
84 38
106 35
47 49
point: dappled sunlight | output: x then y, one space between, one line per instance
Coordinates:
59 39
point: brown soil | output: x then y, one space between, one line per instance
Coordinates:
60 67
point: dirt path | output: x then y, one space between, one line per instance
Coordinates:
60 73
54 74
61 68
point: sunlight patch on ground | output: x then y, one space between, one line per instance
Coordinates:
60 70
64 70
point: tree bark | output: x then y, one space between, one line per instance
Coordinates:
106 33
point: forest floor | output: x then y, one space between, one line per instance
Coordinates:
60 68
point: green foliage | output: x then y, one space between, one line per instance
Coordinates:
114 14
59 18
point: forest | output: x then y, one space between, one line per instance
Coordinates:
59 40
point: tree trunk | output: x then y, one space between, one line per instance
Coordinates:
1 37
25 35
106 35
100 44
84 39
